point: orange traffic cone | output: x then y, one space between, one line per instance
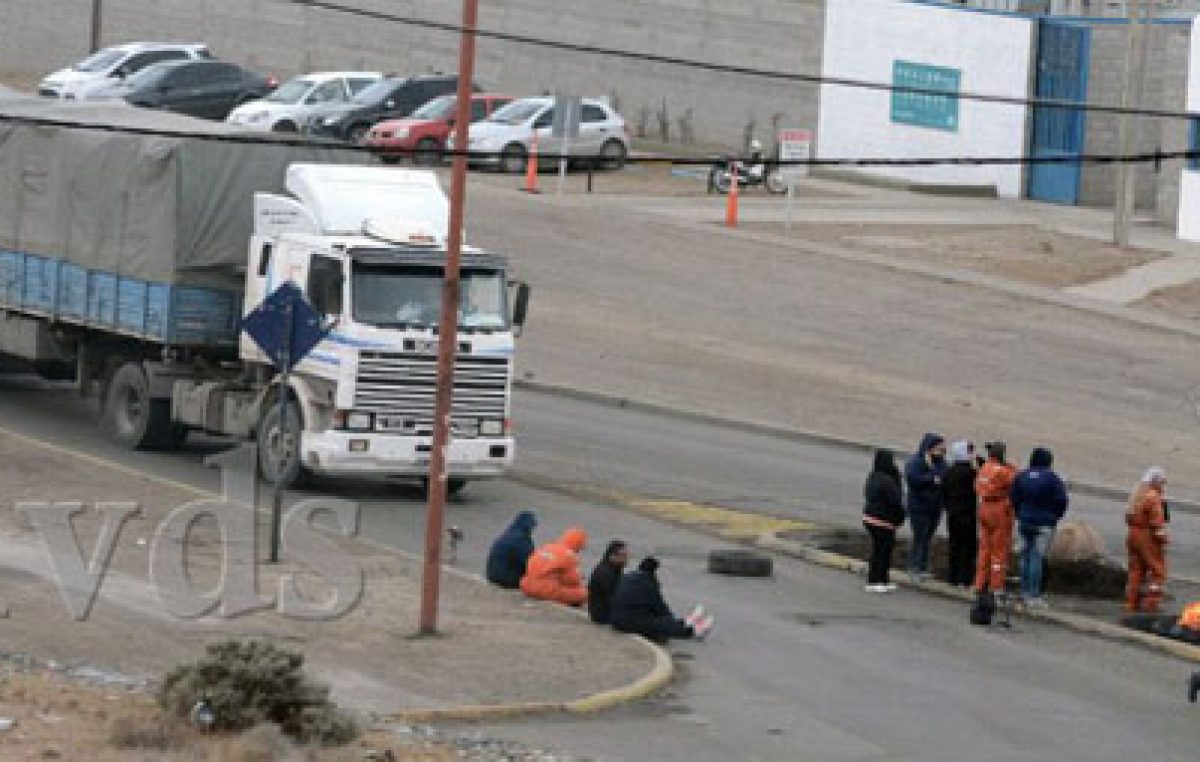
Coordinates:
731 201
531 167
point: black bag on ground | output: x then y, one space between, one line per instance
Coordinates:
983 609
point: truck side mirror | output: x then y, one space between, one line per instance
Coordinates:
520 307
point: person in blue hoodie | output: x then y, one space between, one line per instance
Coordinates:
510 551
923 476
1040 499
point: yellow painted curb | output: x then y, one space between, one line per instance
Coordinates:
1077 622
658 676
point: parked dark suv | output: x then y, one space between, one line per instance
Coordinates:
389 98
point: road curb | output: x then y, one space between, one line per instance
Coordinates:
1076 622
659 675
1107 492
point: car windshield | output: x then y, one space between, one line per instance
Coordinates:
438 108
291 92
411 295
516 112
100 61
376 93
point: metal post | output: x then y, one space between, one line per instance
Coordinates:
281 483
562 163
448 331
1135 60
97 14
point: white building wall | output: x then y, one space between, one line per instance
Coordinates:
863 39
1189 186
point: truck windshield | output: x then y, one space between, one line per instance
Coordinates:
411 295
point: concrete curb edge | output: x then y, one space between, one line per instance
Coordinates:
781 432
1079 623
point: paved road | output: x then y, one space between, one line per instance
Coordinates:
804 666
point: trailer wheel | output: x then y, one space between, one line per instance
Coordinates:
279 447
131 418
453 487
739 563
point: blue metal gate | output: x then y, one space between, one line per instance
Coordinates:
1063 56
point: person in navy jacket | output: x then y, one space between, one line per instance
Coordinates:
923 476
510 552
1039 497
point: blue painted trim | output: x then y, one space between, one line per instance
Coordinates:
338 338
324 358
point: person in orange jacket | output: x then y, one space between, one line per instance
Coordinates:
993 485
552 573
1146 543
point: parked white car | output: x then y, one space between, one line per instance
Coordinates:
294 102
507 134
100 74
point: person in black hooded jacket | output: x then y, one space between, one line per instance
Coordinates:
883 513
638 607
958 495
602 585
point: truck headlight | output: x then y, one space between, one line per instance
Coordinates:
360 421
491 428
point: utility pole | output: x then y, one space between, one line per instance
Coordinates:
448 329
1140 13
97 13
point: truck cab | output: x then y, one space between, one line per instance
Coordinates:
367 248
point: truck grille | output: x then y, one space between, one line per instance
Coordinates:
404 386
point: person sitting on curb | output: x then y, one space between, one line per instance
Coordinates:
1146 543
1040 499
602 585
510 552
639 608
552 573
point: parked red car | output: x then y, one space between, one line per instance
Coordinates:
423 134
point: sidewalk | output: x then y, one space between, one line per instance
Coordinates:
497 652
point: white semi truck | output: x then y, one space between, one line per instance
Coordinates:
145 310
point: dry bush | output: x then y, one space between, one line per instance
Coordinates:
157 732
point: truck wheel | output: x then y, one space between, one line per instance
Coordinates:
739 563
453 487
279 447
131 418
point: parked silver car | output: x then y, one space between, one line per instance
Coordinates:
507 134
101 74
296 101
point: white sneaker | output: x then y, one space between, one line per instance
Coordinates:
875 588
695 616
703 627
889 587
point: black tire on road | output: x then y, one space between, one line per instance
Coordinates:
613 154
428 152
513 158
740 563
357 132
279 446
131 418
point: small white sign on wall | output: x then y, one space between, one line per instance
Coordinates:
795 144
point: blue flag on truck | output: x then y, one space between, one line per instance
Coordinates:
269 323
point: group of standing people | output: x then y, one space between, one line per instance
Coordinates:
628 601
985 499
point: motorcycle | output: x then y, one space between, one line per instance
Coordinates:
749 175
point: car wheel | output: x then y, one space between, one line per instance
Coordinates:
613 154
356 133
739 563
721 180
513 158
287 125
428 152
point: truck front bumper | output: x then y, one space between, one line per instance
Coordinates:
348 453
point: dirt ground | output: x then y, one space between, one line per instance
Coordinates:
1024 253
1179 301
495 646
61 718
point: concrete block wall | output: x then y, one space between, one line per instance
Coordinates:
1165 87
283 38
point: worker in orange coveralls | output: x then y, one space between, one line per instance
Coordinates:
993 485
552 573
1146 543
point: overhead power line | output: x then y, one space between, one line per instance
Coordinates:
796 77
1155 157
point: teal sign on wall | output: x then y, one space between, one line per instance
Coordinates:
939 112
